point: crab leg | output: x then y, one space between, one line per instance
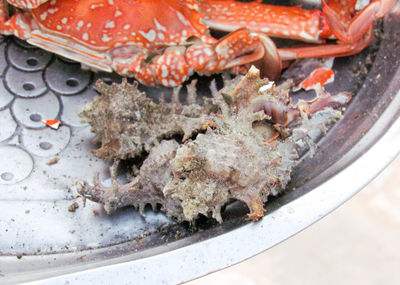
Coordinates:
169 69
352 30
338 18
328 50
176 64
237 48
15 25
354 34
276 21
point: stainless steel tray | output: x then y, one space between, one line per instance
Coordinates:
40 238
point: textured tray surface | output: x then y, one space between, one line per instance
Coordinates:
35 196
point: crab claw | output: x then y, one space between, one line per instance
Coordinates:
169 69
236 49
351 31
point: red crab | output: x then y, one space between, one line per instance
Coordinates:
163 42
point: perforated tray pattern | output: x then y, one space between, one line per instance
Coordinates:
35 196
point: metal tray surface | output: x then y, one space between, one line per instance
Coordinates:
40 238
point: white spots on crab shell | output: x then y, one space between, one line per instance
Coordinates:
150 35
307 36
222 63
79 25
197 52
159 26
161 36
222 50
170 82
265 30
43 16
110 2
313 30
208 51
117 13
95 6
85 36
127 27
58 27
110 25
106 38
287 21
183 19
203 51
89 25
164 71
171 69
52 11
164 82
201 60
137 40
193 7
64 20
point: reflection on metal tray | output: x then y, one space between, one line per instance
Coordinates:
40 237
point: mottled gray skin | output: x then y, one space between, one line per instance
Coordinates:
231 160
145 188
128 123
